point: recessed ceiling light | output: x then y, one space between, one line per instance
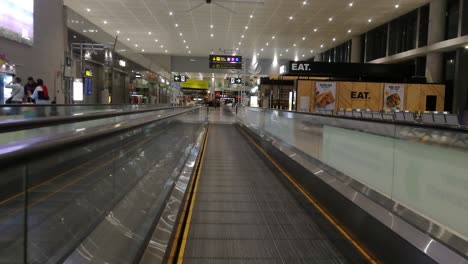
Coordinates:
330 19
128 39
180 34
251 16
176 25
397 6
242 36
212 35
311 51
315 30
105 21
321 46
142 50
149 33
184 41
281 55
212 52
303 38
237 48
246 27
303 55
349 30
170 13
273 37
287 50
290 18
87 9
304 3
369 20
165 51
334 39
240 43
136 45
186 47
189 52
118 31
258 54
162 46
156 40
267 44
294 44
211 26
351 4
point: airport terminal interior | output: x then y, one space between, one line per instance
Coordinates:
234 131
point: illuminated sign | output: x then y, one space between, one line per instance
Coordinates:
225 62
138 75
122 63
235 80
179 78
88 73
282 69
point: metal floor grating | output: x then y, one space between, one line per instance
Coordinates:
244 214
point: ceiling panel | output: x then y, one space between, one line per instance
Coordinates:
134 19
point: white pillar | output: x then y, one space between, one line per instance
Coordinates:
318 58
436 33
356 49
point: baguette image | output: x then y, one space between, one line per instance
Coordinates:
325 99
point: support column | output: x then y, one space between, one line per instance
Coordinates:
356 49
318 57
436 33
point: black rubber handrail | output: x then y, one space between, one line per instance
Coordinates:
23 124
18 151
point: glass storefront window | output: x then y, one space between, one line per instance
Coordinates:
423 25
376 43
452 16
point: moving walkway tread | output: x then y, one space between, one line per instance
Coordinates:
244 213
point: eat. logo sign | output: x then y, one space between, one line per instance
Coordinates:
360 95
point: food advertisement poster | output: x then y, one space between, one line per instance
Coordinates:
325 95
394 96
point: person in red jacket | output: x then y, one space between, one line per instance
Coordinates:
41 93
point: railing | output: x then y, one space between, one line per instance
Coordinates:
15 130
419 170
82 196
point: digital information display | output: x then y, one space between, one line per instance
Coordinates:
17 20
225 62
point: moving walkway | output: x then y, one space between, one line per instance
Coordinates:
260 187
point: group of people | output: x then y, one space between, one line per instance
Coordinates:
32 92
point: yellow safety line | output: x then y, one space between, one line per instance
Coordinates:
315 203
184 211
180 258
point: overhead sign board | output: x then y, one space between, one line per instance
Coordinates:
179 78
225 62
233 80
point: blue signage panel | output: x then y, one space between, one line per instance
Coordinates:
88 86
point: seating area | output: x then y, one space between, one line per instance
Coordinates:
436 118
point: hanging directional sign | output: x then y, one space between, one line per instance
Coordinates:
178 78
233 80
225 62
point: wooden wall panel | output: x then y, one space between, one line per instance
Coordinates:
412 97
305 88
343 95
375 101
359 87
435 90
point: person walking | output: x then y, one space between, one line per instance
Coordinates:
29 89
16 93
41 93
